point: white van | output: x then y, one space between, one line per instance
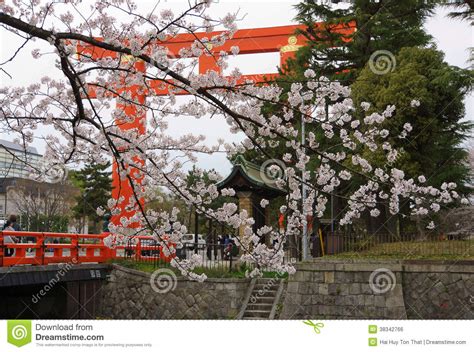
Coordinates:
188 240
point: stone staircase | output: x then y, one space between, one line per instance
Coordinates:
262 299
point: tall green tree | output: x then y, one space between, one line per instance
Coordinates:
434 147
94 181
387 25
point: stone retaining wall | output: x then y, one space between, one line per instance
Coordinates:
128 295
321 289
439 291
380 290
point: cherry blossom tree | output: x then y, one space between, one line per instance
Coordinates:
85 128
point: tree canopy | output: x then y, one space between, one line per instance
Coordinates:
94 181
384 25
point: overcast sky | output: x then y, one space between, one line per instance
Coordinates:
451 36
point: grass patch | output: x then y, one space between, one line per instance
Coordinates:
218 272
450 250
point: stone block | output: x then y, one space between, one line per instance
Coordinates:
318 277
394 300
308 276
369 300
350 300
317 299
343 289
330 300
339 300
304 288
361 277
332 289
190 300
366 289
323 289
354 289
360 299
379 301
329 277
292 287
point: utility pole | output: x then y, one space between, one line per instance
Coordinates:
196 230
304 242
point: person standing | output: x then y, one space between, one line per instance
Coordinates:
13 223
209 245
314 240
9 252
16 227
222 243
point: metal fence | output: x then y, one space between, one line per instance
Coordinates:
403 245
213 256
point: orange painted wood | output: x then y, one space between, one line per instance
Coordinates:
249 41
44 252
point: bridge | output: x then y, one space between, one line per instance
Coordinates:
56 291
59 275
44 248
49 275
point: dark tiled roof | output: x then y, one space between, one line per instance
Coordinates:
246 175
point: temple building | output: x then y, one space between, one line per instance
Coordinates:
252 184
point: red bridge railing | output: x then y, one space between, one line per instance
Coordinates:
42 248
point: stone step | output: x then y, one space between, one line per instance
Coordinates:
264 298
266 287
268 283
258 293
260 306
257 313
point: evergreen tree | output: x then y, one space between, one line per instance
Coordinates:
434 147
462 9
94 181
387 25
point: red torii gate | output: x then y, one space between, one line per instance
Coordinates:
282 39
